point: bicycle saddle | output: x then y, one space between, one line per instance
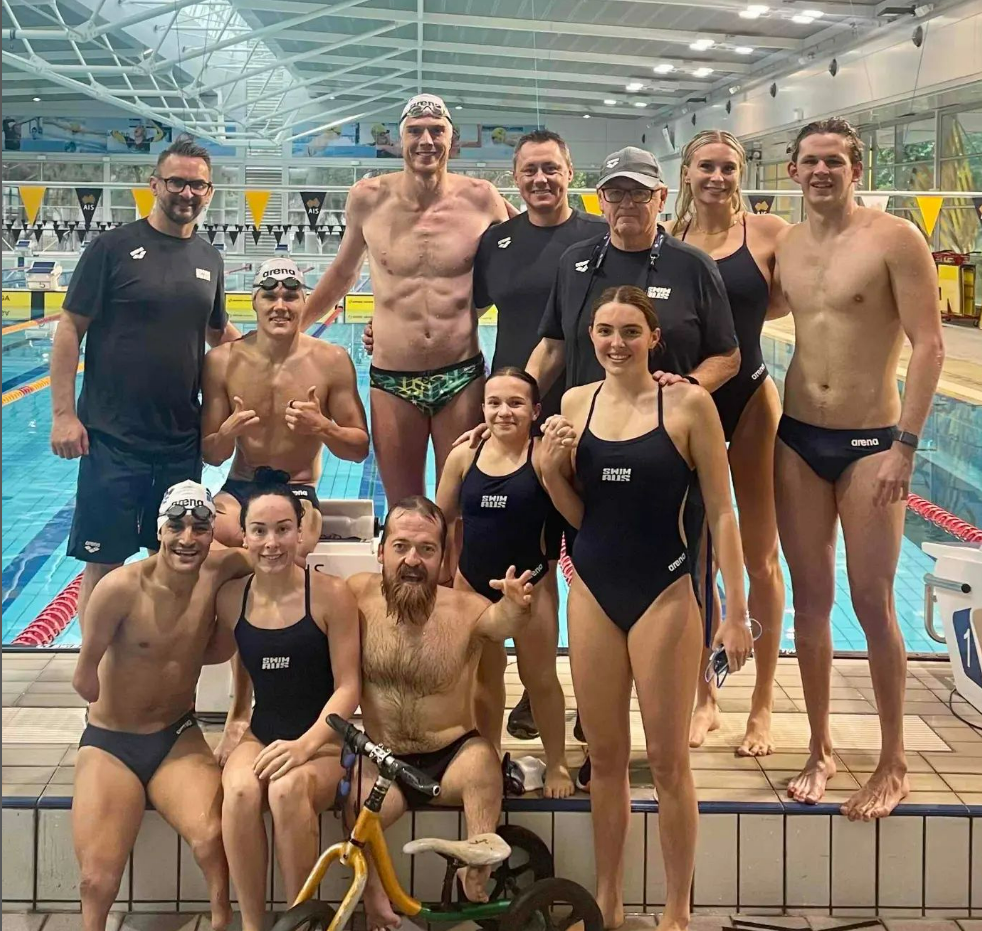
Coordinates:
481 850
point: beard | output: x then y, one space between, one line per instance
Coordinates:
409 596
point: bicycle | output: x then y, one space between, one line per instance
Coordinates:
524 896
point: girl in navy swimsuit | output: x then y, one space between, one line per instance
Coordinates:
618 463
498 492
710 216
299 650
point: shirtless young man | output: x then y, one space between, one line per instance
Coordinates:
421 227
421 643
857 281
149 628
276 398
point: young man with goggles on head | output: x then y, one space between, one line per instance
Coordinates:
275 398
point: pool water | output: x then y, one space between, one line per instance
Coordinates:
39 488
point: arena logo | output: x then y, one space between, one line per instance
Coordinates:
276 662
866 442
138 253
672 566
504 243
494 501
582 266
92 547
615 475
760 371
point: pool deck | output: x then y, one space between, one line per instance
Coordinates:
961 376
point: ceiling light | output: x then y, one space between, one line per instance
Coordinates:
744 50
634 86
734 88
802 19
753 10
700 45
610 102
814 14
640 103
458 107
664 68
702 72
586 116
37 99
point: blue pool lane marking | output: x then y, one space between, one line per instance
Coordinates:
30 375
28 562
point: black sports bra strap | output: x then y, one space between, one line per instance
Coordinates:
593 404
245 596
661 411
306 590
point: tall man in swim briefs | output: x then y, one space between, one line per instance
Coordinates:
421 227
148 295
150 627
856 281
421 643
276 398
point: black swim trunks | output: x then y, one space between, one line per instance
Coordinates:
242 488
829 452
434 764
429 391
141 753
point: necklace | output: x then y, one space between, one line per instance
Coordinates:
733 222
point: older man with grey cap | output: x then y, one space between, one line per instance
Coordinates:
275 398
697 343
420 228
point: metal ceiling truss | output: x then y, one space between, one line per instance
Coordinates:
238 70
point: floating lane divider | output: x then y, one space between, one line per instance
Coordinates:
28 324
53 619
24 390
938 516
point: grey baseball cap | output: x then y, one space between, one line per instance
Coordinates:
634 163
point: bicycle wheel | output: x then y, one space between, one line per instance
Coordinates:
529 861
312 915
553 905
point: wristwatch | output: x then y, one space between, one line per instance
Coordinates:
905 437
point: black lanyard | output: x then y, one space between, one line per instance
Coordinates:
596 260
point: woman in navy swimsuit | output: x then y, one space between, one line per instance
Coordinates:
618 464
710 216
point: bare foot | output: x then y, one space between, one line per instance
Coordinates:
883 792
474 879
808 786
704 719
757 741
221 914
668 923
378 911
611 907
558 783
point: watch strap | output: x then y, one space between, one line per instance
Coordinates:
906 437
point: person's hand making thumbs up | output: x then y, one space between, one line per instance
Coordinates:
239 420
306 417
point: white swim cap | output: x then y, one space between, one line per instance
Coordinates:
187 496
425 105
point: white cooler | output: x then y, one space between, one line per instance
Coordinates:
347 546
956 585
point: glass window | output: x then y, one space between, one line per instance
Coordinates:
21 171
961 134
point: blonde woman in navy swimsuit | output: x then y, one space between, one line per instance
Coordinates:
710 216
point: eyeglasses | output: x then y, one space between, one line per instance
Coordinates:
177 185
289 283
198 512
639 195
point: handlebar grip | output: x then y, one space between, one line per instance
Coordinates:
413 779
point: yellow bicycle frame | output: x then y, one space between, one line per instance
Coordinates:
366 832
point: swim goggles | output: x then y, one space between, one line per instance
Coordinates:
718 667
269 284
198 512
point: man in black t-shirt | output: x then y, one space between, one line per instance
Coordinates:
516 261
148 294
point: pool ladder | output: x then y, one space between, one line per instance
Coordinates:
932 582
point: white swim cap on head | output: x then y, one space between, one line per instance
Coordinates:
185 496
279 268
425 105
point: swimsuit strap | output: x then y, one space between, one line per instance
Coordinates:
686 230
477 455
593 404
661 411
528 458
745 228
245 597
306 590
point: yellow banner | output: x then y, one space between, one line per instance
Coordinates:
489 317
16 306
53 300
257 201
143 197
31 198
591 203
238 305
358 308
930 208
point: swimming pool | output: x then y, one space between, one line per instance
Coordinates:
38 491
